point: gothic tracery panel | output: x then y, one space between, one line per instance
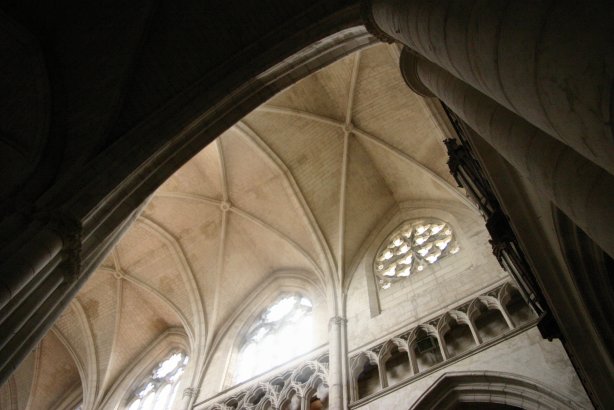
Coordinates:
159 390
411 247
282 331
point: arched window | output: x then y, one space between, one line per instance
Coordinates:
411 247
158 391
282 331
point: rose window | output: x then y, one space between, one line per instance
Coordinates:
412 247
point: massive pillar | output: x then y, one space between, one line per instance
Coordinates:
581 189
549 62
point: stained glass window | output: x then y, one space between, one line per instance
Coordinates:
282 331
411 247
159 390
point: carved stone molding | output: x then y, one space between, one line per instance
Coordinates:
337 321
305 380
191 392
436 329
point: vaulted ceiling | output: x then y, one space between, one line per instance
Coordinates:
297 185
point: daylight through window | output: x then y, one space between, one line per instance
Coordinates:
282 332
159 390
411 247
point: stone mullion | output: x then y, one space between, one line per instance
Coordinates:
305 402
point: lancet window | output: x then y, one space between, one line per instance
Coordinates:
411 247
159 390
282 331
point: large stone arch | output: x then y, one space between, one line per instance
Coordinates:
454 388
74 221
98 166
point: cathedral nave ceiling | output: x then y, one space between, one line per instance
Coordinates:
265 197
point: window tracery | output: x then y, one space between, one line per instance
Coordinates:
411 247
282 331
158 391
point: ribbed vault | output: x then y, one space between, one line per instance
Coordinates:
297 185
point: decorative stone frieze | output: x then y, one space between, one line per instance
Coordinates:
430 340
293 387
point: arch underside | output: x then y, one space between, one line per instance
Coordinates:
456 388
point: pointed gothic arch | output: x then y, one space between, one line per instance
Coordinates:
454 388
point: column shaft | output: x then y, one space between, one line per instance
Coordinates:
443 348
550 62
474 332
335 360
345 368
413 361
381 372
581 189
506 317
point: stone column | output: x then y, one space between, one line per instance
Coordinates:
474 332
413 360
305 402
335 363
381 371
345 364
189 395
443 348
506 316
549 62
581 189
